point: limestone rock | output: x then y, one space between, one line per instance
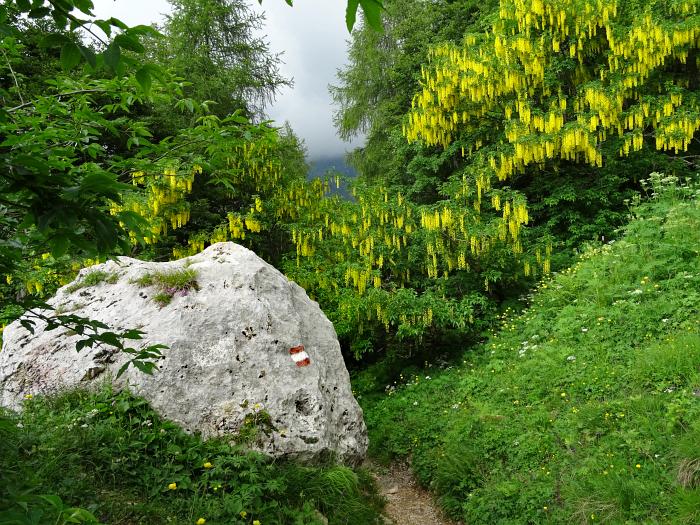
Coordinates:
246 343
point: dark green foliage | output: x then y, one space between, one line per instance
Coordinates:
111 454
575 204
213 45
582 407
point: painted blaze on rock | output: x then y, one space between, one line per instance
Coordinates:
245 340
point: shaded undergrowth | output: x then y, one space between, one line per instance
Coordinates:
110 455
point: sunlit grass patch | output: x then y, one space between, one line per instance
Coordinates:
93 278
169 284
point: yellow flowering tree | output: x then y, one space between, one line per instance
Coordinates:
226 164
561 81
550 86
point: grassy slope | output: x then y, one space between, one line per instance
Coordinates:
111 455
583 408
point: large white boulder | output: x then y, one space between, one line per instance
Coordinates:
235 351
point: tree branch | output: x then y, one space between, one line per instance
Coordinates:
14 77
81 23
57 95
175 148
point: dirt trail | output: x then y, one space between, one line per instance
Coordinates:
407 502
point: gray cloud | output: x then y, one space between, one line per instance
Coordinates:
133 12
312 37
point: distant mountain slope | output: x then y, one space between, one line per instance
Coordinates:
321 166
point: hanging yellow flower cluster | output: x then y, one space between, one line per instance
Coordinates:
162 201
43 274
254 164
194 245
372 233
510 80
252 167
505 71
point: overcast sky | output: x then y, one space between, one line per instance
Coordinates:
312 35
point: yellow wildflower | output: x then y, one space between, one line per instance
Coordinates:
201 521
208 465
172 486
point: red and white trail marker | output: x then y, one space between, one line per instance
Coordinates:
299 356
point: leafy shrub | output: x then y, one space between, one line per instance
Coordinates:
111 454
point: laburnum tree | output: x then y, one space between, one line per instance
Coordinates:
546 101
561 81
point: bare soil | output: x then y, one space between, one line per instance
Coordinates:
407 502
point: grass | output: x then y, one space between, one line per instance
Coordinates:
93 278
113 457
163 298
169 284
583 407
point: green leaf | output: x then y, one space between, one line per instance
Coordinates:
102 184
88 55
54 501
123 369
78 515
59 246
27 324
40 12
70 56
109 338
84 343
105 26
86 6
132 334
112 56
130 42
53 40
351 13
144 30
58 17
32 164
143 77
118 23
146 367
105 234
373 13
